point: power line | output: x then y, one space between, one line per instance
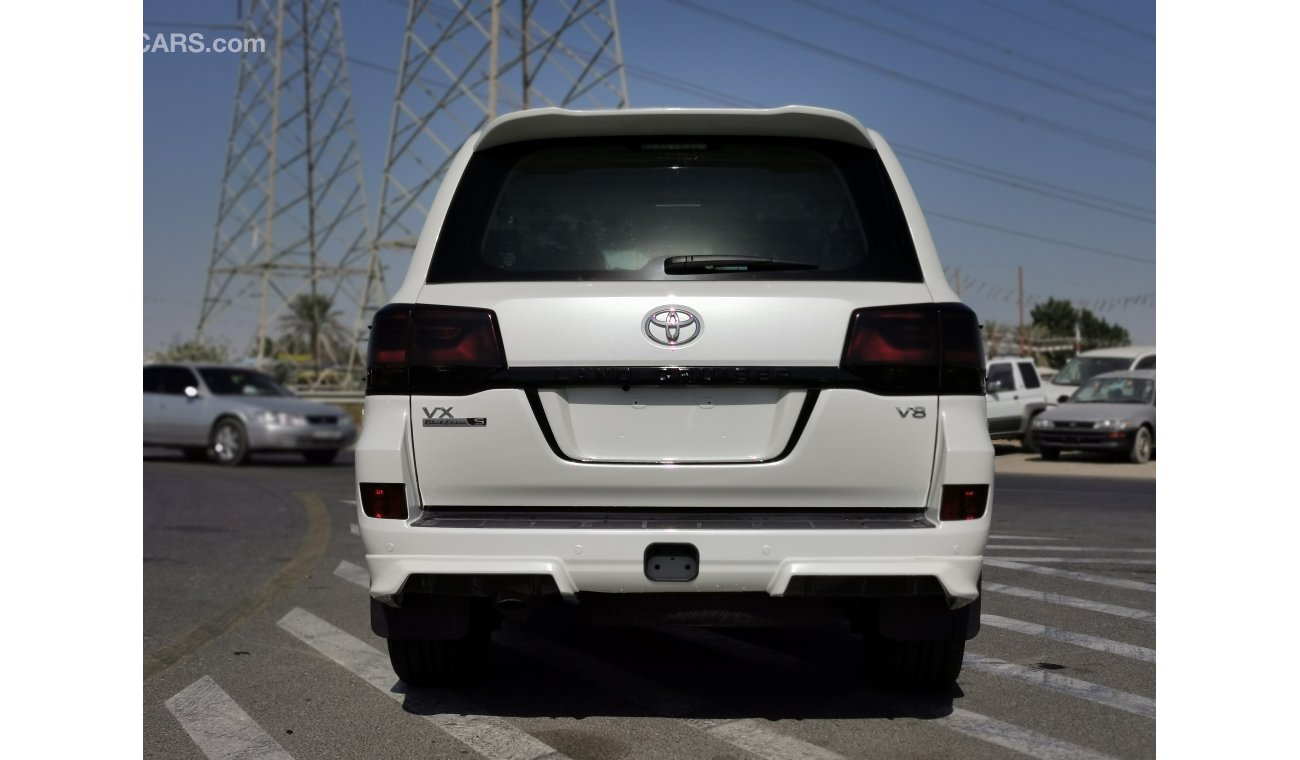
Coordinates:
974 60
947 162
692 88
950 163
193 25
1107 20
1002 49
995 291
986 173
376 66
1023 117
1039 183
1066 32
1042 238
1036 187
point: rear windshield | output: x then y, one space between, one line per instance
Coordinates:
675 209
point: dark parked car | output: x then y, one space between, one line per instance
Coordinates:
1115 412
226 412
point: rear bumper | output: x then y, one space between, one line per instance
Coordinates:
730 561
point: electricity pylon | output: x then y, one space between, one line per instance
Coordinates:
292 219
463 63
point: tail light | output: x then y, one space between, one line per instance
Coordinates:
439 349
384 500
916 349
963 502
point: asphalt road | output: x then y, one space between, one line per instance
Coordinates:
257 645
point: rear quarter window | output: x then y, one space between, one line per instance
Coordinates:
617 209
1028 374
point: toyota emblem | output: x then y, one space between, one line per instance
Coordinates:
672 326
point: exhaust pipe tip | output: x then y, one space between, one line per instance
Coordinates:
513 607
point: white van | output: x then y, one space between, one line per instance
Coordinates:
1089 363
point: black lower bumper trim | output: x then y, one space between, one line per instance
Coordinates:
510 518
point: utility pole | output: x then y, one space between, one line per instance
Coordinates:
292 220
1020 276
464 63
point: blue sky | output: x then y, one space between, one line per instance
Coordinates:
1057 95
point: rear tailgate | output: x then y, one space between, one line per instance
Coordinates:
593 412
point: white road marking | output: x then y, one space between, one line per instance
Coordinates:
354 573
1021 548
1120 700
1015 738
963 721
757 739
489 736
353 502
1009 537
1083 560
356 529
747 734
1072 574
220 727
1071 601
1132 651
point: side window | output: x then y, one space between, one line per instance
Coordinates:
176 379
1147 362
153 379
1001 373
1028 374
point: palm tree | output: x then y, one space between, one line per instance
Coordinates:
311 326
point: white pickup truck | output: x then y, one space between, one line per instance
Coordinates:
1015 397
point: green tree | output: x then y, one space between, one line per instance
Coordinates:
1057 318
194 350
312 327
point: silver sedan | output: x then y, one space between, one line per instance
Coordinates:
226 412
1114 412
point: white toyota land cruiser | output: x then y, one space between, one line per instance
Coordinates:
675 367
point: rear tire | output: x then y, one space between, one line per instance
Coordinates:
449 662
1140 453
1050 455
229 442
913 665
323 456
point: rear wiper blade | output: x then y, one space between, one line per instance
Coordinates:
706 264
